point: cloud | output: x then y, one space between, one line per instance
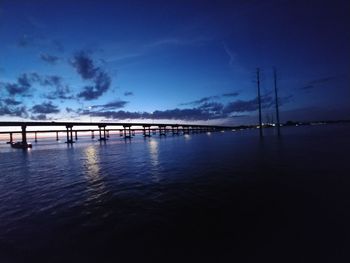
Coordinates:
22 85
50 59
13 111
252 105
174 114
25 81
207 110
214 107
248 105
85 67
200 101
102 84
232 56
232 94
62 91
209 98
45 108
117 104
11 102
40 117
128 93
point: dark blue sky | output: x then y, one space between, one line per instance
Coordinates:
173 60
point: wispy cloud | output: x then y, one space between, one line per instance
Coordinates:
85 67
128 93
113 105
210 98
50 59
232 56
231 94
21 86
20 111
45 108
199 101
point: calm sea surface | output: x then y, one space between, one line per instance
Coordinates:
216 197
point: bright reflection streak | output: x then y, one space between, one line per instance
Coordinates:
93 176
92 163
153 149
187 136
154 154
208 133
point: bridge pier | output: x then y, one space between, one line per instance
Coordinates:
76 135
11 138
24 135
175 130
162 130
102 138
35 137
69 134
92 135
147 132
57 136
185 130
127 135
121 133
107 133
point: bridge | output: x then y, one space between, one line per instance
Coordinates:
126 130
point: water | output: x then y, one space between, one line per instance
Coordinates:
214 197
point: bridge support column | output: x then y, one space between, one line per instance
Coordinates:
102 138
11 138
121 133
24 135
69 134
107 133
92 135
185 130
57 136
147 131
36 137
162 130
76 135
127 135
175 130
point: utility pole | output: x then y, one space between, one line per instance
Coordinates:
276 102
259 100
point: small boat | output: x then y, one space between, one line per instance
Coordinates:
21 145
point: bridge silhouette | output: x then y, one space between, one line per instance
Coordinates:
126 130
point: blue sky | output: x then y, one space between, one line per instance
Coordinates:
173 60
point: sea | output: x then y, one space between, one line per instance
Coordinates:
209 197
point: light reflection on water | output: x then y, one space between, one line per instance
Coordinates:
154 156
96 186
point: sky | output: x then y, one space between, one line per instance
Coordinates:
173 61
